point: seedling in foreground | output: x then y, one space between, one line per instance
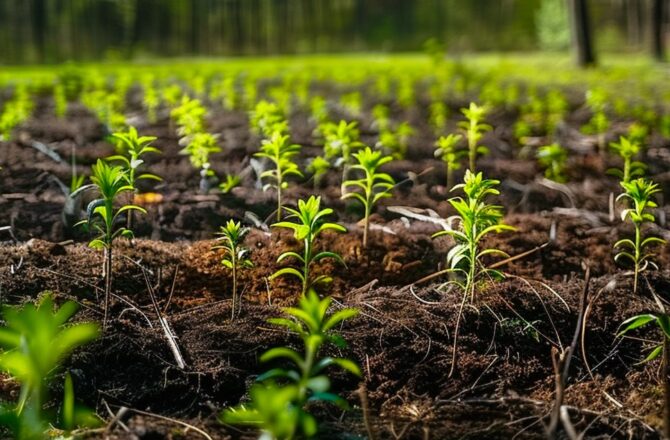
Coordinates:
476 219
447 149
552 158
110 182
279 410
36 340
231 237
638 191
131 148
627 149
370 188
281 152
474 130
662 321
309 225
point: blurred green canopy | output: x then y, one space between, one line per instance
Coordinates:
51 31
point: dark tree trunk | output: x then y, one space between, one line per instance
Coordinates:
581 32
657 32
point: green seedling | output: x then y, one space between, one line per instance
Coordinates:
638 133
230 182
36 340
103 217
280 151
371 187
639 192
599 123
279 411
451 155
476 219
627 150
150 98
382 117
200 146
310 223
352 103
474 131
553 159
60 100
662 321
341 140
438 114
396 142
131 149
319 166
267 118
231 237
189 116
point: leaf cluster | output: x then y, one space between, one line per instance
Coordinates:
36 339
309 225
476 219
280 410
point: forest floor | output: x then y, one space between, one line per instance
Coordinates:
495 381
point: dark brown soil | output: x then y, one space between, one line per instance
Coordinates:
502 383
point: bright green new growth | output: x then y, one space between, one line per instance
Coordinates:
281 152
309 225
370 188
231 237
110 182
279 411
396 142
319 166
340 141
476 220
230 182
447 149
639 192
627 150
474 130
189 116
552 158
131 148
438 114
36 340
599 123
199 147
268 118
60 100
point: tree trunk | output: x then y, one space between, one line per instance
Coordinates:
581 33
657 32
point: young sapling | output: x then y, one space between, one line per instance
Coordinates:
132 148
451 155
200 146
371 187
474 130
639 192
318 166
231 237
627 150
662 321
552 158
476 219
36 339
279 410
110 182
280 151
309 225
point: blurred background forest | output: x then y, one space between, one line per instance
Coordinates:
52 31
